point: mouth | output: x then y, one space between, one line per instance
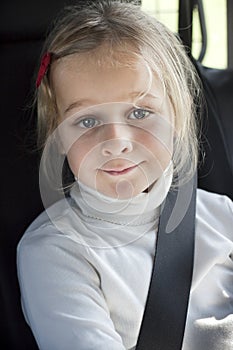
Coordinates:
117 172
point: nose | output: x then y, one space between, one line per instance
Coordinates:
118 140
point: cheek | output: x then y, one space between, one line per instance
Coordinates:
80 155
158 157
157 140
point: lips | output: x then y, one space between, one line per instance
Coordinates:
120 171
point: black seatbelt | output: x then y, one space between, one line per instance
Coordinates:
165 313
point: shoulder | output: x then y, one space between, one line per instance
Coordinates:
53 248
54 230
214 206
213 200
214 235
214 214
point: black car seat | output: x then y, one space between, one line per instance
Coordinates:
215 172
23 26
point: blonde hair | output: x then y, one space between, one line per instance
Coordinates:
118 24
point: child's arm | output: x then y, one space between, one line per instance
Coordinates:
61 296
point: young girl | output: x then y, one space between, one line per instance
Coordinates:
116 113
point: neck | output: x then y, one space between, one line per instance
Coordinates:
143 207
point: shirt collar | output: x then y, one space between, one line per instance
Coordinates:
140 209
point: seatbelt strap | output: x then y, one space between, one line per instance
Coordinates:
165 313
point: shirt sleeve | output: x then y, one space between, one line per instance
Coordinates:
61 295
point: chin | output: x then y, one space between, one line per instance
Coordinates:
123 189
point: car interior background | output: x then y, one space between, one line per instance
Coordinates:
23 27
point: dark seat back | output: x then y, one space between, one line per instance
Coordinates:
216 172
23 26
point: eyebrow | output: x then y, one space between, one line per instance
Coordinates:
80 103
142 94
77 104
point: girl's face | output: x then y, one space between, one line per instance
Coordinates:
116 125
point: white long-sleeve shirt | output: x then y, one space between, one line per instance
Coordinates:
84 273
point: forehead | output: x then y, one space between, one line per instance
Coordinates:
102 77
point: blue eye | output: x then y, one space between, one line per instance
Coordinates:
87 123
139 113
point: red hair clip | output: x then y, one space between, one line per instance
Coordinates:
45 61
